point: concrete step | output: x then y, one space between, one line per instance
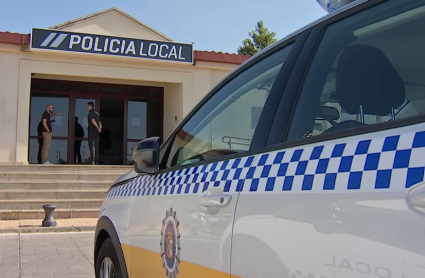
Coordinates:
57 176
65 168
52 185
39 214
27 204
76 190
52 194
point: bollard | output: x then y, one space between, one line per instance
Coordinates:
49 220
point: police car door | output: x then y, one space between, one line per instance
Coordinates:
343 196
180 215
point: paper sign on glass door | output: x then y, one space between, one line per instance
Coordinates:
58 120
135 121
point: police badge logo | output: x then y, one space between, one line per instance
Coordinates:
170 244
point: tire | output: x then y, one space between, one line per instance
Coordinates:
108 258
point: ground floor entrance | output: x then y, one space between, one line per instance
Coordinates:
128 114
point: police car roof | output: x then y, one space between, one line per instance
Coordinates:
308 26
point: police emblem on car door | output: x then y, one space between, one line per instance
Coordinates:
170 244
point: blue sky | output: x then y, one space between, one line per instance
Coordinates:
219 25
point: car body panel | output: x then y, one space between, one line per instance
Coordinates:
154 195
334 209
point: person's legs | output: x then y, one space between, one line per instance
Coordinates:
77 151
40 147
92 146
47 139
97 152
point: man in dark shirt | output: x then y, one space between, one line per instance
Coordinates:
94 128
46 131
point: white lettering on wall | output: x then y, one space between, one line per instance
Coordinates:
122 46
131 48
153 45
75 39
141 50
161 51
96 45
180 54
85 45
173 52
111 46
105 47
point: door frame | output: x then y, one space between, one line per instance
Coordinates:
74 94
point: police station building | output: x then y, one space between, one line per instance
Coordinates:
142 83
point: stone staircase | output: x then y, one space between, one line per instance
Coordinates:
76 190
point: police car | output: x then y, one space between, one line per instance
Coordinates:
307 161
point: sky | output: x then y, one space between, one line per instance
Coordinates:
213 25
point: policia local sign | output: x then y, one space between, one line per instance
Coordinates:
54 40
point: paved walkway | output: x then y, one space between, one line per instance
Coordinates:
7 226
47 255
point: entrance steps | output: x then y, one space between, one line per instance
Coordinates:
76 190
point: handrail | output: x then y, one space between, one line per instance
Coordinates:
229 141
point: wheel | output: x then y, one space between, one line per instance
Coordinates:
107 265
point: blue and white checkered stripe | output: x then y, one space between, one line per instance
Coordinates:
228 175
391 162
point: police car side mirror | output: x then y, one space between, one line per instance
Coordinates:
146 156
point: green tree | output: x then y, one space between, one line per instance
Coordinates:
258 39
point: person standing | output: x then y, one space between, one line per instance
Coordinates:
94 128
79 134
46 131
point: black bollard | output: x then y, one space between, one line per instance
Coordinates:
49 220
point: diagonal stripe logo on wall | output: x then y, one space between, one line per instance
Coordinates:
59 40
49 38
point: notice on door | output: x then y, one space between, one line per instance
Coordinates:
58 120
135 121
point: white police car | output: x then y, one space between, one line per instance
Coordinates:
307 161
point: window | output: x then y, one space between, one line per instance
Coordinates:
368 69
225 124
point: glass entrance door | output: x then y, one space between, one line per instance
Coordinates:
136 125
111 113
144 120
81 152
58 152
128 114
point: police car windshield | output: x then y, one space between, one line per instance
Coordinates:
261 82
228 118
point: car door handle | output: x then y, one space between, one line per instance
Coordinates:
416 198
211 201
214 201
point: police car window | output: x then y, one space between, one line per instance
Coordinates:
368 69
225 124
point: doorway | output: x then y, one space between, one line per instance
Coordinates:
111 138
128 114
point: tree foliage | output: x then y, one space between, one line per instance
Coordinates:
258 39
